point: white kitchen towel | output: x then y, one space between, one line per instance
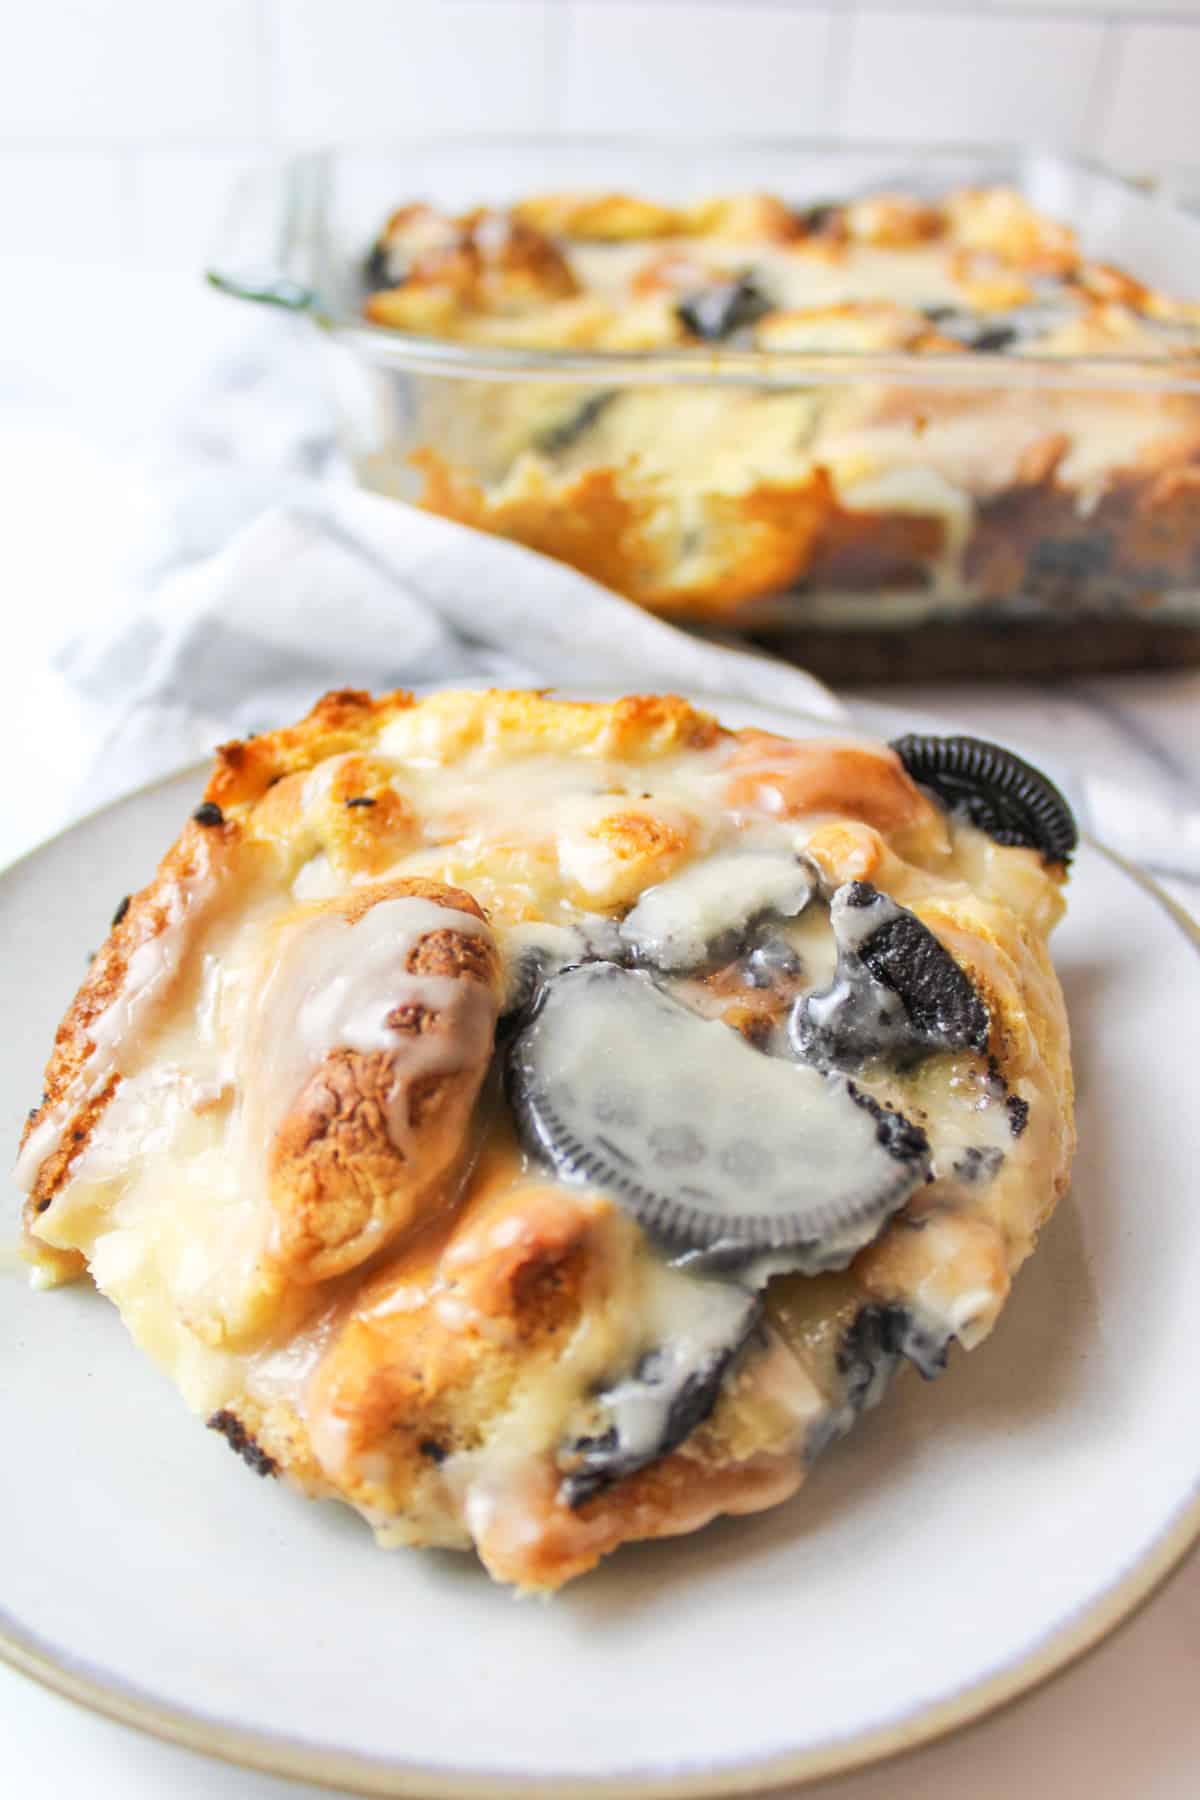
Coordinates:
350 590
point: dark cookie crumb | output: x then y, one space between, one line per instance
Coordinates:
376 271
898 1135
561 436
239 1439
997 337
1018 1113
361 800
717 311
209 814
978 1163
429 1447
122 909
815 218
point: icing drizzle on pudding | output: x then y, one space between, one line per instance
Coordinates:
314 1203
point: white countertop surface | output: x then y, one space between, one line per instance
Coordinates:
1122 1725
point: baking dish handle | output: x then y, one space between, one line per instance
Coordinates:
268 249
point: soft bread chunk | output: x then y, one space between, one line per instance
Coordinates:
281 1127
867 782
364 1148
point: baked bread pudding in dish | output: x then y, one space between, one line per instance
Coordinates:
747 477
543 1125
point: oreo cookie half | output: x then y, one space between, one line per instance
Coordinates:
718 1151
993 789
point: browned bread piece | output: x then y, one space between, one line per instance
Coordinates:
279 1128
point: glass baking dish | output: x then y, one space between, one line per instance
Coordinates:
1008 514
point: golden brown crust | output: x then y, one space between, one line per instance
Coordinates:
671 1497
341 1186
202 854
344 720
432 1353
479 263
627 533
796 779
257 785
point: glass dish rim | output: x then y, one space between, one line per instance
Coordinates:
299 180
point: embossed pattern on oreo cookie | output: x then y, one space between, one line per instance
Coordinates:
538 949
1009 799
897 993
712 1146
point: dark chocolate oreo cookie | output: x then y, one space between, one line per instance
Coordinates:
713 1147
716 312
673 1390
995 790
897 993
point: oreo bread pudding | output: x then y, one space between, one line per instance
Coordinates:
544 1125
880 491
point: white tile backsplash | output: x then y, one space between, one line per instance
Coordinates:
378 69
642 65
179 201
68 203
122 71
132 118
948 77
1093 8
1154 112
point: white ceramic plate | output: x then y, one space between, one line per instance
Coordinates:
970 1538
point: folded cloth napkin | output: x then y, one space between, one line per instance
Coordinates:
350 590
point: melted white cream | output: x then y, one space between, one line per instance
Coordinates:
120 1034
333 987
683 1109
689 1324
675 924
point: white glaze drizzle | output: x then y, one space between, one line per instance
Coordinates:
333 987
675 924
689 1323
473 799
553 947
119 1032
689 1111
